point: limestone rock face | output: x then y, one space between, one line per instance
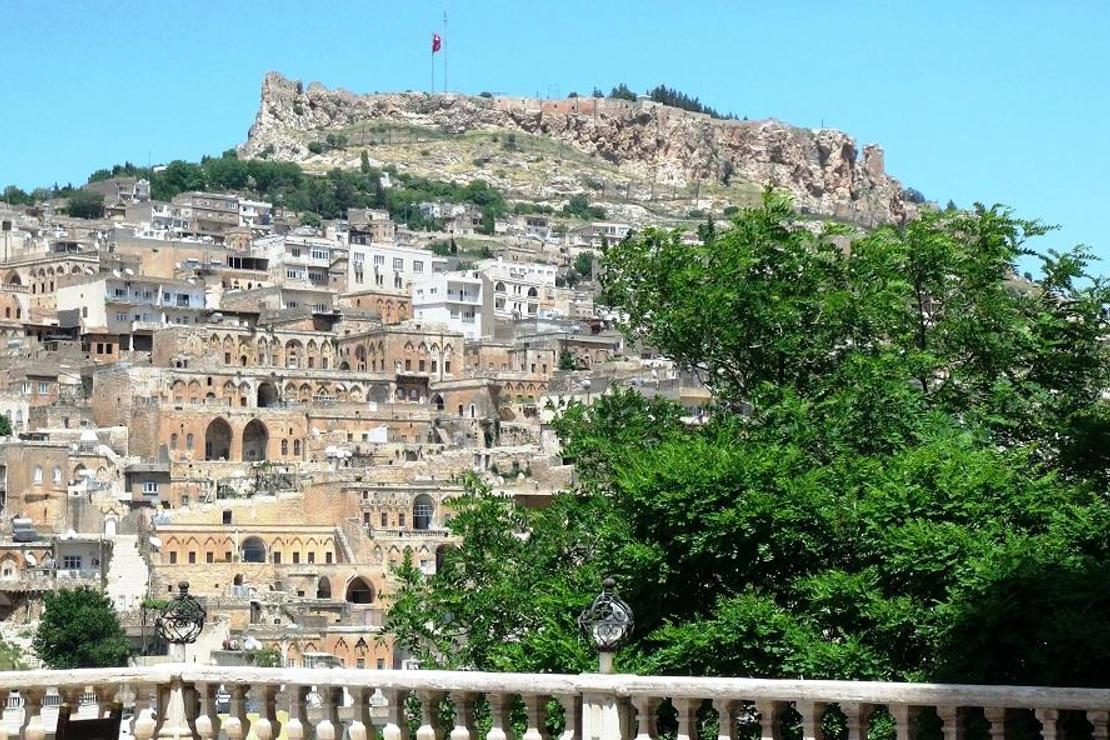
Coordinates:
823 169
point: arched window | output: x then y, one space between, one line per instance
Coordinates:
57 474
253 551
173 441
323 588
38 474
359 591
422 510
296 447
284 447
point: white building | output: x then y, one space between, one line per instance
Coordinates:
520 289
460 301
297 260
130 307
388 266
255 214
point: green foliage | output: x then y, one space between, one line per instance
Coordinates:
311 219
85 204
904 479
622 92
5 426
265 657
364 163
79 629
597 93
566 361
584 264
579 206
913 195
674 98
316 147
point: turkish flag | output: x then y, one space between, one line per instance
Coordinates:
437 43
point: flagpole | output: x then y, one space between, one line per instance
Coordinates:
433 69
445 47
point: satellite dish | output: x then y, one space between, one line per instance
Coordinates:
128 271
31 559
115 273
156 543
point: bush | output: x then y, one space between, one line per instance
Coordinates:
316 147
484 94
622 92
579 206
79 629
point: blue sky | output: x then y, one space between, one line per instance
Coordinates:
972 100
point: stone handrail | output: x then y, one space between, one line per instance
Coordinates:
184 700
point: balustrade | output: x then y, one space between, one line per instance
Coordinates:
184 701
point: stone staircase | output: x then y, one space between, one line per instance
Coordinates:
128 573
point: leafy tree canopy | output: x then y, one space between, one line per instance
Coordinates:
85 204
903 479
79 629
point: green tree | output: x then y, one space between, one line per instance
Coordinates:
364 163
622 92
902 478
311 219
5 426
584 264
85 204
79 629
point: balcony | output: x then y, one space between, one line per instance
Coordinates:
188 700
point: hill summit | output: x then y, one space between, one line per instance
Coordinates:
640 155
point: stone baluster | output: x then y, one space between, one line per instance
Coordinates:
1048 719
687 718
360 713
535 706
236 723
296 726
328 727
855 719
572 708
429 715
499 706
72 696
726 718
263 727
811 713
207 722
175 723
394 728
996 718
33 726
464 715
901 715
1098 720
951 727
768 719
146 705
646 708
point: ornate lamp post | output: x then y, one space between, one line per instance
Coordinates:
180 623
608 622
182 619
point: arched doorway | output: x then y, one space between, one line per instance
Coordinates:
423 507
323 588
359 591
437 399
267 395
217 440
253 550
255 440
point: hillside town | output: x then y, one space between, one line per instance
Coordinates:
212 388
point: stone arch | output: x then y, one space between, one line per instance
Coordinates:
13 278
217 440
256 439
360 591
253 550
437 399
423 510
294 352
267 395
323 588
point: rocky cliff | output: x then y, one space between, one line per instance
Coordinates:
631 144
